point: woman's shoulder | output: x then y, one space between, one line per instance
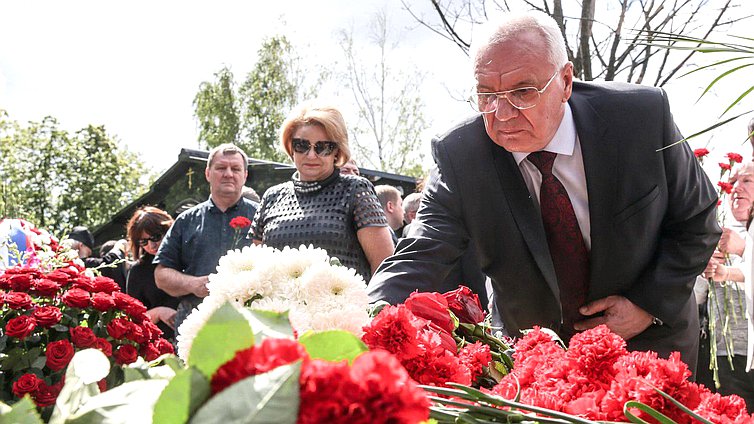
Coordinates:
277 189
355 181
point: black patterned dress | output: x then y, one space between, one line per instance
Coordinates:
326 214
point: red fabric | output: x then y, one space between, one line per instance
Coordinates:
567 248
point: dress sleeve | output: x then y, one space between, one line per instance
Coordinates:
367 211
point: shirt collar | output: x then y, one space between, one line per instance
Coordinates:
562 143
213 207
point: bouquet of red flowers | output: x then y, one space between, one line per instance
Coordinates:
48 314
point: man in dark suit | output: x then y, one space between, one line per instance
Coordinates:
625 221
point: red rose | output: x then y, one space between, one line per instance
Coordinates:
102 302
432 307
83 336
59 275
150 352
21 282
128 304
118 328
76 298
268 355
20 327
240 222
47 395
84 282
28 383
136 333
465 305
164 346
59 354
106 285
46 287
700 153
17 300
151 330
126 354
47 316
104 346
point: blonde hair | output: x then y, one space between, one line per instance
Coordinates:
327 117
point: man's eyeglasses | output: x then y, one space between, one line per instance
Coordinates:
154 239
521 98
321 148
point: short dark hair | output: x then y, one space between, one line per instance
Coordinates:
226 149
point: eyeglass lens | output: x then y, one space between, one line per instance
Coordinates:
321 148
154 239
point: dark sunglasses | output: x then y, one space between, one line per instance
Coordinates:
153 239
321 148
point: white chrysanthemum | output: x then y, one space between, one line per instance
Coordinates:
246 259
194 322
332 286
273 304
347 318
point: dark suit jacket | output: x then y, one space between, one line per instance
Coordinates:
652 213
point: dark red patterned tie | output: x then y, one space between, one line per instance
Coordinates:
564 238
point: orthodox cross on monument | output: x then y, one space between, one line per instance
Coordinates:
189 173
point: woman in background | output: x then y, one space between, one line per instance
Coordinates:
320 206
145 230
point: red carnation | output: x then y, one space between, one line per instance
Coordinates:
724 166
465 305
725 187
20 327
396 330
700 153
59 354
102 302
126 354
83 336
475 357
118 328
240 222
28 383
18 300
47 316
432 307
268 355
76 298
734 157
105 285
104 346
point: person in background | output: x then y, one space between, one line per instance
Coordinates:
583 208
145 230
201 235
410 206
350 168
320 206
392 205
250 194
734 244
120 270
111 264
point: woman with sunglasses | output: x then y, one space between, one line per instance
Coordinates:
145 230
320 206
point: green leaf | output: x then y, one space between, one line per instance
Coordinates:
22 412
270 324
660 417
128 403
226 332
182 397
333 345
272 397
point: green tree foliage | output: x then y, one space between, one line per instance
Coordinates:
267 95
216 110
387 135
251 115
57 180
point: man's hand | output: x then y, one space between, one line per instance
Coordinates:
619 314
199 286
162 313
731 242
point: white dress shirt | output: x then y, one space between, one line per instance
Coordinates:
568 168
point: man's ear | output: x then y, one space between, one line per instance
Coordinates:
206 173
389 206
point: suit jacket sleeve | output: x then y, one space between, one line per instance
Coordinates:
436 242
688 234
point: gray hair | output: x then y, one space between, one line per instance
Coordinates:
513 24
226 149
411 202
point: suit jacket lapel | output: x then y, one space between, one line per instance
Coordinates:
524 212
601 168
